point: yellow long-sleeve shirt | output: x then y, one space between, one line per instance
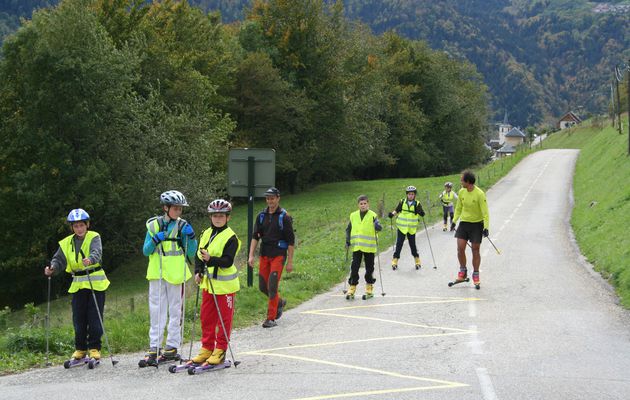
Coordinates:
472 207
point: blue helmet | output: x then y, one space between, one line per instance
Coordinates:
78 214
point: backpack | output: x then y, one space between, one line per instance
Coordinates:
283 244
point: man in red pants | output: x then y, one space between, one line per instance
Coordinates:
274 228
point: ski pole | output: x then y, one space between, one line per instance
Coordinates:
344 267
48 364
216 304
192 330
495 247
100 319
378 258
182 318
429 240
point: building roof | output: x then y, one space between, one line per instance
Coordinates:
570 116
515 132
507 149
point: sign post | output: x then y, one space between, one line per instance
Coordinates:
250 173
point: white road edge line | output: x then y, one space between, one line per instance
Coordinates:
487 390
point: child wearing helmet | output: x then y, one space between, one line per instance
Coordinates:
170 245
408 211
217 275
448 197
80 254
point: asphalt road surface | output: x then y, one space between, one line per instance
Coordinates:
543 326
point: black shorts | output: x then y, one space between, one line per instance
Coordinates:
472 231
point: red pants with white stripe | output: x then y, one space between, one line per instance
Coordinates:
269 274
212 336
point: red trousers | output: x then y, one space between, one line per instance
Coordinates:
269 274
212 336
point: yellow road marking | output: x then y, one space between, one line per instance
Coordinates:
382 391
311 345
389 321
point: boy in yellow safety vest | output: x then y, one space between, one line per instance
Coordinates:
217 275
170 245
361 236
407 222
80 254
448 197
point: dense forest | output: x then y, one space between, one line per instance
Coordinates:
106 103
539 58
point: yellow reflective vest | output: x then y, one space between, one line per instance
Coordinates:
226 281
168 256
407 221
363 234
74 265
447 198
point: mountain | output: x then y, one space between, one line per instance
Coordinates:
540 58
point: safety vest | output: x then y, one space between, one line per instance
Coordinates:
363 234
226 281
448 198
74 265
407 221
169 255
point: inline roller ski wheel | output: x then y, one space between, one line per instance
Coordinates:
349 297
93 363
478 286
367 296
75 363
418 266
173 369
210 368
394 267
458 281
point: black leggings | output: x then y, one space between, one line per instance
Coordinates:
400 239
87 327
356 264
447 211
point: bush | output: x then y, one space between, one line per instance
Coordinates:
34 340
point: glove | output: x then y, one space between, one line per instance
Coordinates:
391 215
188 231
453 226
158 237
485 233
421 213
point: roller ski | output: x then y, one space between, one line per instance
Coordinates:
351 290
95 358
369 291
394 264
205 367
462 276
196 361
79 358
151 358
418 265
444 228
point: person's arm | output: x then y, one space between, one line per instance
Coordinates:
483 205
397 210
289 236
458 211
149 246
96 251
348 230
227 257
290 258
419 209
57 263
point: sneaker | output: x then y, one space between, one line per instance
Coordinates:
203 355
95 354
170 353
79 354
281 305
269 323
217 357
417 260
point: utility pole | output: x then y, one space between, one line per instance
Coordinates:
617 79
628 100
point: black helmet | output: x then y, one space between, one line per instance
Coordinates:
272 191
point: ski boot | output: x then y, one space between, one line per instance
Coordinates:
78 358
369 291
418 265
462 276
217 357
150 358
444 228
476 281
169 354
194 362
351 290
394 264
95 358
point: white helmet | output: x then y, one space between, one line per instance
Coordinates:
219 206
411 188
78 214
448 184
173 198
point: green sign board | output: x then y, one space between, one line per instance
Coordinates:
251 167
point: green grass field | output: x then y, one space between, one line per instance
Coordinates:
320 217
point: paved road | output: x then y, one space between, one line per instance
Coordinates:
541 327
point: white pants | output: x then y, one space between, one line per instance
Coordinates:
171 304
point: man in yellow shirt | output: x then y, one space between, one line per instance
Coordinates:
472 212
